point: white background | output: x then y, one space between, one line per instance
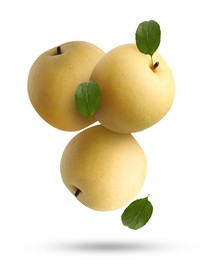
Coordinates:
39 217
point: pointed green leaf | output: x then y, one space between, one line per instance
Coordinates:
87 98
137 214
148 37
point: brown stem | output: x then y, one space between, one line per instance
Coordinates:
59 50
155 65
77 192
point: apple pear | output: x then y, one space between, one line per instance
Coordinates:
134 94
53 79
103 169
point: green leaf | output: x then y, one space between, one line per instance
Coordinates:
148 37
87 98
137 214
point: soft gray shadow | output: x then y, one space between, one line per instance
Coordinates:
109 246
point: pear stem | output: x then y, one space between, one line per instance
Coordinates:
154 65
59 50
77 192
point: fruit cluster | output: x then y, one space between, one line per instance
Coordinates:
75 85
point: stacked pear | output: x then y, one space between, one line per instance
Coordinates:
103 169
53 79
103 166
134 96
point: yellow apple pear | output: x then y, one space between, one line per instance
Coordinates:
134 94
53 79
104 170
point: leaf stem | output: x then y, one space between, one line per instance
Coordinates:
152 62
